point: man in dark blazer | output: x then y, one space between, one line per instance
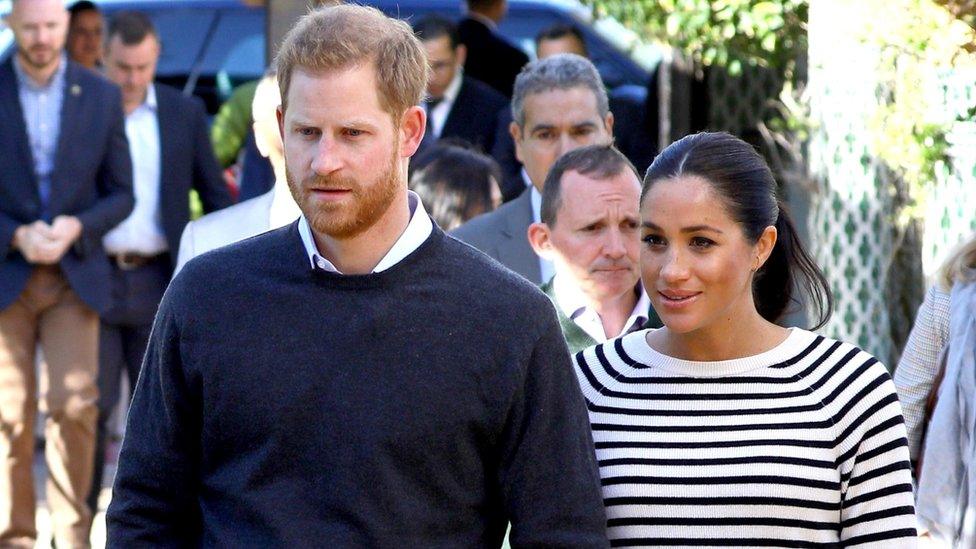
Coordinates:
560 104
65 180
457 105
171 154
491 58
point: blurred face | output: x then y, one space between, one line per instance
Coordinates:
557 121
343 156
39 28
595 239
563 44
132 67
85 38
444 63
696 262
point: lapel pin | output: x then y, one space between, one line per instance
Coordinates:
75 89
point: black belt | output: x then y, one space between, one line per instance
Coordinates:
127 261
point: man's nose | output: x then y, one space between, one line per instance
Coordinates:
614 245
565 144
326 160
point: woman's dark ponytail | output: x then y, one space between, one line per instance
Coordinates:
744 182
789 269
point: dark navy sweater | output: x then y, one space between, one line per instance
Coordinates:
422 406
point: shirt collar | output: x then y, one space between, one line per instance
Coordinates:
417 231
573 303
536 197
148 105
450 94
150 98
57 79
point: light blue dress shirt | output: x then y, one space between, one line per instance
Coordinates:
42 117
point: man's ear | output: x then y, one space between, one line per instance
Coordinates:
412 126
608 121
538 235
461 52
280 115
516 133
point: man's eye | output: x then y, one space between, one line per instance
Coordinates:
307 132
352 132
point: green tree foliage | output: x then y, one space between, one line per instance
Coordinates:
727 33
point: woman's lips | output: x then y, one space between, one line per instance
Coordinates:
677 299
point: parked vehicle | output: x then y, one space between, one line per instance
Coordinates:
210 46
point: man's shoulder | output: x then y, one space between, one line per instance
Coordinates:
469 27
485 227
87 79
476 230
234 222
482 93
484 274
174 98
246 254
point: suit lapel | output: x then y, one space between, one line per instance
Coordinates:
11 111
71 101
515 250
164 121
454 124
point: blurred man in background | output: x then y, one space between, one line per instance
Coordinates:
560 39
85 34
171 154
273 209
491 58
457 105
65 180
560 104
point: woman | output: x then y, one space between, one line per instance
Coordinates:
943 343
723 428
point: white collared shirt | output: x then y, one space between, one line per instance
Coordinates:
142 232
574 305
546 268
417 231
437 116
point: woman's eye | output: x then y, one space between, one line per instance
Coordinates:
653 240
702 242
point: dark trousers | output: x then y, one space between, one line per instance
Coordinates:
123 338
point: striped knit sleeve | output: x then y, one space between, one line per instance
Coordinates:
919 363
877 508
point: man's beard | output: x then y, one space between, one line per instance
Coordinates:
343 221
37 59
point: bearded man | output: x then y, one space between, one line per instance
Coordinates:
343 380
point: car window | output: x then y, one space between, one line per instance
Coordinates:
236 50
182 32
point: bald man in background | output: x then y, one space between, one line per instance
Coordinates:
65 180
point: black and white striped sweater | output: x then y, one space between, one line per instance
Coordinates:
801 446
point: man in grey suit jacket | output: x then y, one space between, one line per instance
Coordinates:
559 104
270 210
